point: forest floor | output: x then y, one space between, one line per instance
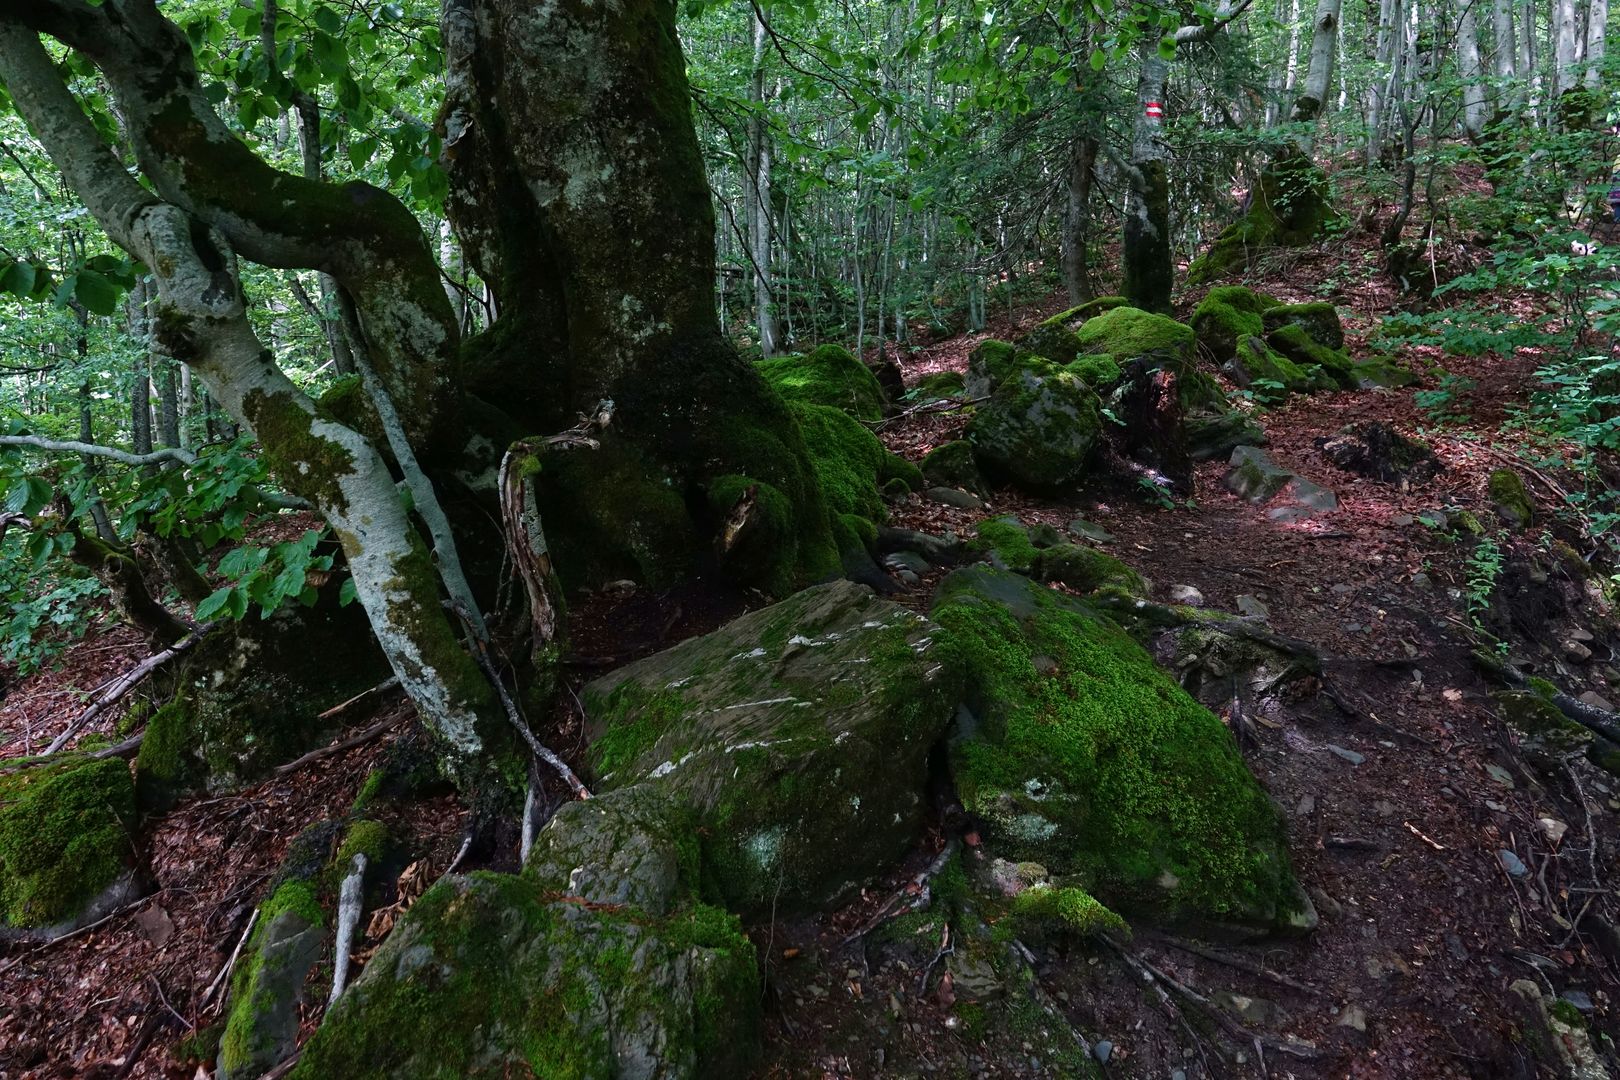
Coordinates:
1400 801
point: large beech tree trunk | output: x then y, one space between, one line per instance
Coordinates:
578 191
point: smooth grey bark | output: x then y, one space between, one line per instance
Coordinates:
1319 74
759 190
202 316
1566 47
168 428
1597 32
1504 52
1471 68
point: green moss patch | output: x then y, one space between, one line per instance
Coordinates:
1090 760
829 375
1126 333
64 837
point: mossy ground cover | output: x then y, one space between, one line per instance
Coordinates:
1093 762
65 834
829 375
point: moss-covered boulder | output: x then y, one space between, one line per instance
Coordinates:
495 975
1039 428
1226 316
1383 372
1546 737
1096 370
1271 374
267 985
828 375
1216 435
1083 756
1126 333
1006 543
65 844
1510 498
796 739
990 364
1054 339
1295 342
939 385
248 698
952 465
1086 570
1289 207
1318 319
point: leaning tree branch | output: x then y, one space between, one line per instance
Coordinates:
73 446
125 683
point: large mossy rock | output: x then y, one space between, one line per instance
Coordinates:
1319 319
65 851
990 364
828 375
796 739
1126 333
1085 757
1054 339
495 976
249 697
1295 342
1288 208
1225 317
952 465
1039 427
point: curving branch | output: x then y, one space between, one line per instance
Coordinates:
73 446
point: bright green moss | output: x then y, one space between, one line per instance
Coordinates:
163 766
1510 497
1295 342
1097 370
307 463
1227 315
941 384
1009 540
829 375
65 834
1091 761
1318 318
1127 333
848 460
1290 208
902 469
760 550
1086 570
365 837
632 719
1073 910
250 997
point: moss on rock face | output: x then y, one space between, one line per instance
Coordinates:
1097 371
1125 333
267 985
1008 541
829 375
990 364
494 976
796 738
1039 427
1090 760
952 465
1085 570
1054 339
1289 208
1382 371
1293 341
1319 319
1510 498
1226 316
941 384
64 837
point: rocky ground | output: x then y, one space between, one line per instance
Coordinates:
1454 866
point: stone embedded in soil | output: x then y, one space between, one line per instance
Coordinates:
1375 450
1348 755
1254 476
1088 531
1253 607
1596 700
1501 775
1186 595
961 500
1512 863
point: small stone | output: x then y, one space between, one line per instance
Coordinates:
1420 580
1455 946
1096 533
1353 1016
1596 700
1492 804
1352 628
1342 589
1186 595
908 577
1253 607
1576 651
1103 1050
907 560
1307 805
1501 775
1348 755
962 500
1178 1074
1552 829
1384 807
1583 636
1434 519
1401 521
1512 863
1578 998
1325 904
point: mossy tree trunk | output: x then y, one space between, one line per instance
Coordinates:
1149 275
213 199
579 193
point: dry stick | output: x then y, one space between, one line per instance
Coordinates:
164 998
348 919
1240 964
1165 1001
383 687
920 882
85 929
125 683
1591 833
230 963
338 747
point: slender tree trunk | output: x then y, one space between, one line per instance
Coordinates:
1146 249
1566 49
1476 109
1290 69
1319 75
168 402
1077 221
1597 30
759 190
1385 52
140 382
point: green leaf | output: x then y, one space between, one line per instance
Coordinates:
215 602
328 20
1099 59
346 594
19 279
95 292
